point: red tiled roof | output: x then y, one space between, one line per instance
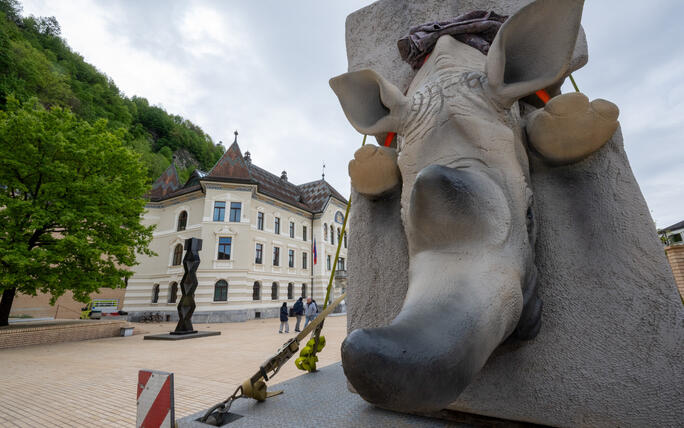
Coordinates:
166 184
232 166
316 193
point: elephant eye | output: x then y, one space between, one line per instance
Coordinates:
473 79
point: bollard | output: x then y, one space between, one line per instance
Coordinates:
155 399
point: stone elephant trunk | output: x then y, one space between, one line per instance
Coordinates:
466 206
453 317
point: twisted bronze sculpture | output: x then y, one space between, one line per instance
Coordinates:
186 305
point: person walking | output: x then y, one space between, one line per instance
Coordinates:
310 311
283 319
298 309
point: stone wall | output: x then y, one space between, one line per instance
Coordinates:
65 307
203 317
675 255
47 333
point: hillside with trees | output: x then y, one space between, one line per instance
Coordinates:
36 63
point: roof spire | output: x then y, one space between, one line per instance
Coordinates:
236 134
323 175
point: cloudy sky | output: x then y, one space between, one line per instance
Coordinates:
262 67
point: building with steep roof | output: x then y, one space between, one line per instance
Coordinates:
258 233
673 234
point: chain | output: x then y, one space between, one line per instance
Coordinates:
216 414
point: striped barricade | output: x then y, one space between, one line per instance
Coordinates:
155 399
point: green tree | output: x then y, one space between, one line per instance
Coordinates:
71 200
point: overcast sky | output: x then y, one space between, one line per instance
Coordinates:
262 67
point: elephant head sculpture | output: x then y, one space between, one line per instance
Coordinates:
461 165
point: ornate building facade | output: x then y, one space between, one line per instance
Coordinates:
258 231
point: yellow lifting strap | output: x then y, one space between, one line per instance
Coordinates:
255 387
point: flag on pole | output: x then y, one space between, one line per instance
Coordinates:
314 251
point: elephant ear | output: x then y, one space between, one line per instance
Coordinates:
532 49
372 104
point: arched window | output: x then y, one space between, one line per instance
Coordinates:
177 255
220 291
274 291
155 293
290 291
256 291
303 290
345 239
173 292
325 231
182 220
332 234
338 234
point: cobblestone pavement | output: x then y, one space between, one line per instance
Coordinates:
93 383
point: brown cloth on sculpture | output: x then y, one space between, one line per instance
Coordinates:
476 28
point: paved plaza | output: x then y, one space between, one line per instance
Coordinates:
93 383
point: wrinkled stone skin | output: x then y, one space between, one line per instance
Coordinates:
466 206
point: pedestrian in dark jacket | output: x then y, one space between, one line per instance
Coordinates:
283 319
298 310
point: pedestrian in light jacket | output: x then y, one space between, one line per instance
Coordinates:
283 319
310 311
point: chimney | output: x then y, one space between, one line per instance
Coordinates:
248 157
283 175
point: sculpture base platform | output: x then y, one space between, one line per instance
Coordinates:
322 399
177 336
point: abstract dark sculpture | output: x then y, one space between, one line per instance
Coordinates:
186 306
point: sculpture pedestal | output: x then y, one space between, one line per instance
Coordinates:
322 399
181 336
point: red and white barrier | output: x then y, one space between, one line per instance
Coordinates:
155 399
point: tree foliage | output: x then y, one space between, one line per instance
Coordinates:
35 62
71 198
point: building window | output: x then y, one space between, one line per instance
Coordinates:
155 293
177 255
345 239
305 258
332 234
235 210
303 290
329 263
274 291
259 254
224 248
303 233
173 292
260 220
276 256
290 291
340 264
220 291
256 291
182 221
292 229
276 226
338 234
290 258
676 237
325 231
219 211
